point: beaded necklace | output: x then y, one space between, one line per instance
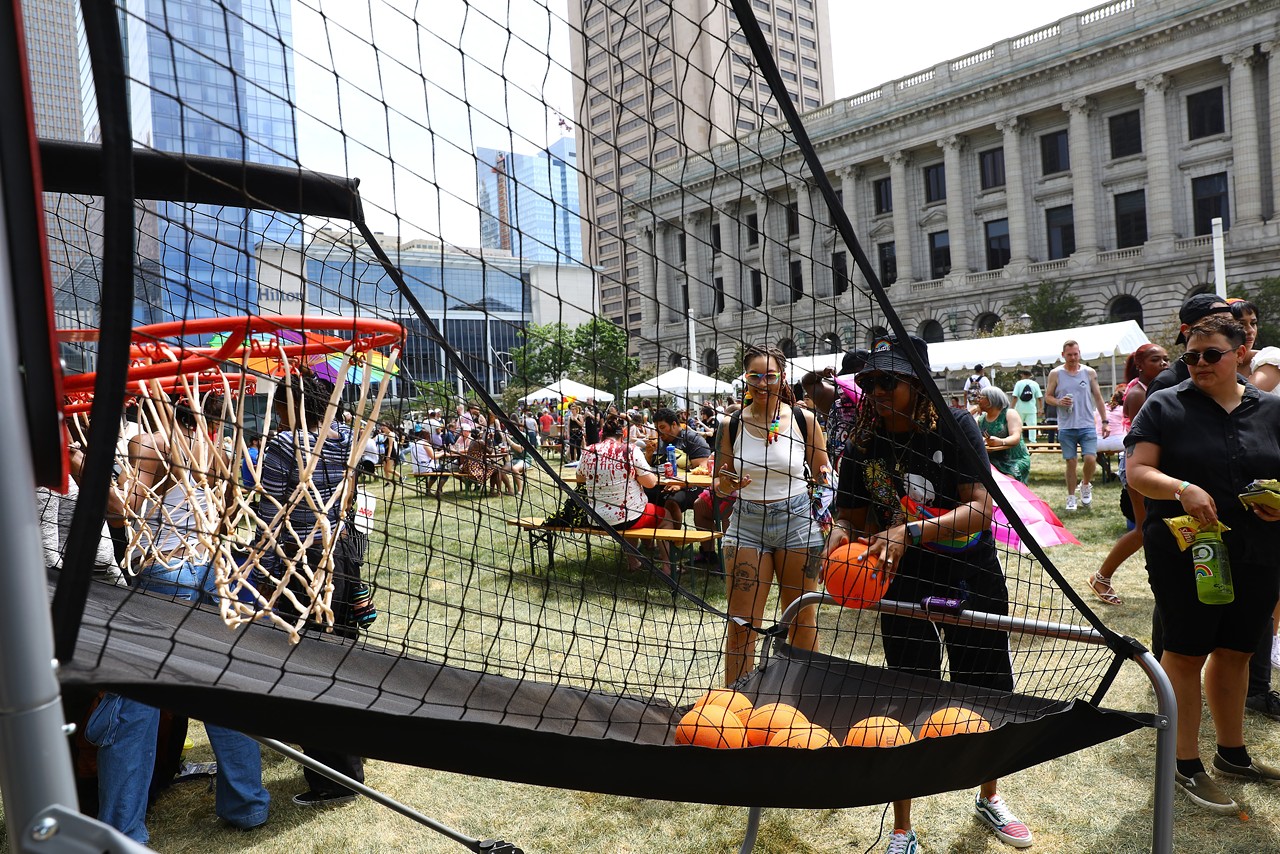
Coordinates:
775 430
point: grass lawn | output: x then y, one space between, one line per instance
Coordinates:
1098 800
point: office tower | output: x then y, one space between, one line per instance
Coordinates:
529 203
655 80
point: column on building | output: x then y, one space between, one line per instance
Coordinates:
650 293
851 188
773 245
735 285
1015 193
902 228
807 252
1247 178
957 233
1273 96
1083 186
698 263
1155 130
668 288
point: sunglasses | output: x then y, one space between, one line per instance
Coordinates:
770 378
1211 356
884 382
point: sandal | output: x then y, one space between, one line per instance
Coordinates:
1102 588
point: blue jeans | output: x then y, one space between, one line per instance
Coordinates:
125 733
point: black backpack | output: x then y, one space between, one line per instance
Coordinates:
1027 393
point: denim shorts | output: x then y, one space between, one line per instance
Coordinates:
773 526
1086 438
180 579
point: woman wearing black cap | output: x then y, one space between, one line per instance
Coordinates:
912 491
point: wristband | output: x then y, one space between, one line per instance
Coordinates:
915 530
1177 493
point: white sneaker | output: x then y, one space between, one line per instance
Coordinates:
1086 494
1275 650
1071 503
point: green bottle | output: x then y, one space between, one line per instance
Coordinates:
1213 569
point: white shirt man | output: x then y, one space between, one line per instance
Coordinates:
1073 388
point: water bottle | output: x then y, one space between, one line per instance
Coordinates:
1213 569
671 460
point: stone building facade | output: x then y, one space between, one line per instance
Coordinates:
1095 151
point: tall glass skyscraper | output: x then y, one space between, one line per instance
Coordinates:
529 203
212 79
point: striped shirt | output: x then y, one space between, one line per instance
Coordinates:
280 472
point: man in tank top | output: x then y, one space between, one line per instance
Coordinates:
1073 388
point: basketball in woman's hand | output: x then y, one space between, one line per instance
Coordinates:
855 580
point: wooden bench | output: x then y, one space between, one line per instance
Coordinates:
1104 457
677 538
440 478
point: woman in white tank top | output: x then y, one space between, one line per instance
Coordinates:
772 532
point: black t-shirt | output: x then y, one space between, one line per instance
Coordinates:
903 477
694 446
1218 451
591 428
1168 378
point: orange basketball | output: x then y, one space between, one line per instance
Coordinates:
953 720
878 732
809 737
853 580
711 726
728 698
765 720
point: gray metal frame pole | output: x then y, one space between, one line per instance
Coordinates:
35 760
1166 721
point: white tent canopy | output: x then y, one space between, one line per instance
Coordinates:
567 388
1106 340
680 382
801 365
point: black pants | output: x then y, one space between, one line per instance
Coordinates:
1259 664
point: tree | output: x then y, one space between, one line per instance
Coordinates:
600 355
1265 294
545 354
1050 305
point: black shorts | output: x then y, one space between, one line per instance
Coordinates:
366 466
685 498
1190 627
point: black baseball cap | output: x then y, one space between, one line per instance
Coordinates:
1197 307
853 361
888 354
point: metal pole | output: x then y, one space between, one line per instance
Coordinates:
1166 753
1219 258
35 760
753 827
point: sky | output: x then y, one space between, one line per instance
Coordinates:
449 76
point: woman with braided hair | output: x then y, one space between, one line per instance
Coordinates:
764 456
910 489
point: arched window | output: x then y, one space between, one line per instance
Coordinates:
986 322
1126 307
830 343
788 348
876 332
677 359
711 361
931 331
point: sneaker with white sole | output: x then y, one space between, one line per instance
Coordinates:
995 813
1200 788
1071 503
1086 494
1257 770
903 842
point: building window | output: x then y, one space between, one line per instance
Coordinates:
991 168
715 238
987 322
1126 134
839 272
788 348
997 233
888 263
793 219
935 182
1060 224
1125 308
1055 154
797 280
939 254
757 289
718 285
882 190
683 247
1204 114
1131 219
931 331
753 229
1209 200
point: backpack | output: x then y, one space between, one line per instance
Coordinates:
1027 393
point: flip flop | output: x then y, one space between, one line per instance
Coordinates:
1107 593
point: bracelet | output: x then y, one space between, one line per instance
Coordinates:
1177 493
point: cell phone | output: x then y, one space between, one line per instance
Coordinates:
730 475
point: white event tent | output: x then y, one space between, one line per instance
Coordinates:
1106 340
567 388
680 382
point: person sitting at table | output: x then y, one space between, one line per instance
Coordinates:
617 475
1001 427
691 451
